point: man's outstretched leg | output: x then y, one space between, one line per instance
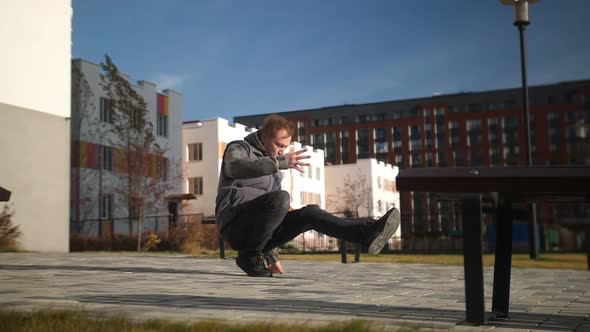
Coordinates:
382 230
372 234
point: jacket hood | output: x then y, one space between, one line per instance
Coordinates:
254 140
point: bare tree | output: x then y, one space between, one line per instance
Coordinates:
139 162
355 193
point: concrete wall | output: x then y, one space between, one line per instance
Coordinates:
34 119
34 166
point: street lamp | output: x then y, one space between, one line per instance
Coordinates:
521 20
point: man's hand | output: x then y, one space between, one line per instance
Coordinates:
293 159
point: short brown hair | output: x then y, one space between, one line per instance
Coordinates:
273 123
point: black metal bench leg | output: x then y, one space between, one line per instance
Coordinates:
503 260
357 253
472 255
221 247
343 251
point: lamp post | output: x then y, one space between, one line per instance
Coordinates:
521 20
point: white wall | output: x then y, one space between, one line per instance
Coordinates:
36 54
34 124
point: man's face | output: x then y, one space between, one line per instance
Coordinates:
275 146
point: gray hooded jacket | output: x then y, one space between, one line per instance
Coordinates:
247 171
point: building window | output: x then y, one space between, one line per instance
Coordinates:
363 148
494 131
381 144
416 159
106 110
454 132
397 139
429 161
344 142
360 118
475 156
330 152
162 125
459 158
495 157
106 157
195 151
164 169
106 206
196 185
399 159
473 132
301 132
318 141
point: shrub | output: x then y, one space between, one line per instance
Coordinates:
80 242
190 238
9 232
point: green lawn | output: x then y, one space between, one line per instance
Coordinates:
573 261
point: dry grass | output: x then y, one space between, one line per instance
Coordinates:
9 232
572 261
75 320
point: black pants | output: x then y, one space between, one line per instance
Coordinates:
265 223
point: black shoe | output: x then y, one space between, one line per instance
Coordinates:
382 230
253 265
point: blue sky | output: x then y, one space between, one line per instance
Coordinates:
231 58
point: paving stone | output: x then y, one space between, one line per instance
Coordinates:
181 287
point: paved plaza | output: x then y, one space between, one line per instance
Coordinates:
181 287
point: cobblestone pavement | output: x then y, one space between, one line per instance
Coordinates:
181 287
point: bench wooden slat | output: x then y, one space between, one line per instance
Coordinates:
550 181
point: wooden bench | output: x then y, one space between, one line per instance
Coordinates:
568 183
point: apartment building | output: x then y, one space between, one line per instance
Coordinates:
483 128
99 165
35 120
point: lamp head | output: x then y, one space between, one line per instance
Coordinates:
521 10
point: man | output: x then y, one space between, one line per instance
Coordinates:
253 212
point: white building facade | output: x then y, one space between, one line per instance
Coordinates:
100 168
34 119
366 189
204 144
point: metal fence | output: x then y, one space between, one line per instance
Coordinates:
310 241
